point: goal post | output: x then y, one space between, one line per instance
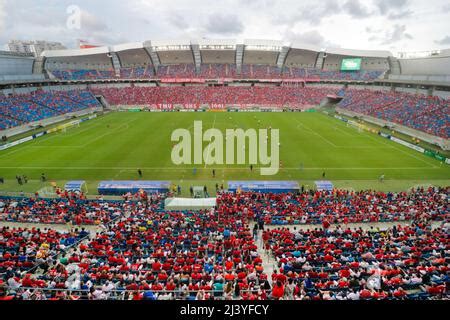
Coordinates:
357 126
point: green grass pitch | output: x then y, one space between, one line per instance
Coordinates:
114 146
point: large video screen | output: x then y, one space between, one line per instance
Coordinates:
351 64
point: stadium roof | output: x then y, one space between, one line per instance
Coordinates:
359 53
217 45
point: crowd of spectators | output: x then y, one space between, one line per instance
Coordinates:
22 109
148 253
176 71
338 206
60 210
401 262
19 109
201 95
137 73
83 74
75 208
217 71
21 249
430 114
155 255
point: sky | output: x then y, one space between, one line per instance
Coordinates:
394 25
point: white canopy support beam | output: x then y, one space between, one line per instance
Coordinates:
282 57
197 56
239 57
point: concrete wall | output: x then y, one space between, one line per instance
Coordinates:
442 94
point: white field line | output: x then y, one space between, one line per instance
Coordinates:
219 168
354 147
340 123
369 135
76 132
109 132
339 129
55 146
344 132
402 151
53 135
316 133
118 173
366 147
11 152
206 122
37 144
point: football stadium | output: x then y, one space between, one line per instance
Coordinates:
222 169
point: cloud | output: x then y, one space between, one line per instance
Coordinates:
390 36
311 37
355 9
312 14
2 16
224 24
96 31
384 6
397 34
258 3
443 41
394 9
400 15
177 20
318 22
372 30
52 22
92 23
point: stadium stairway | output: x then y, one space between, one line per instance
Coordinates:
269 263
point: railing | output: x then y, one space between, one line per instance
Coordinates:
117 294
27 293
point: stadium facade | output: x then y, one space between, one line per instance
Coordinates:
428 71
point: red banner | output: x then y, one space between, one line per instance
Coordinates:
182 80
83 44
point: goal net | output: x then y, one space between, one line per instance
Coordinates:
355 125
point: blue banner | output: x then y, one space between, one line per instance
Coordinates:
324 185
264 186
122 187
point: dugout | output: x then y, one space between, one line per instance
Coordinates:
121 187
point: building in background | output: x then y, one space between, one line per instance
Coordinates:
34 47
83 44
